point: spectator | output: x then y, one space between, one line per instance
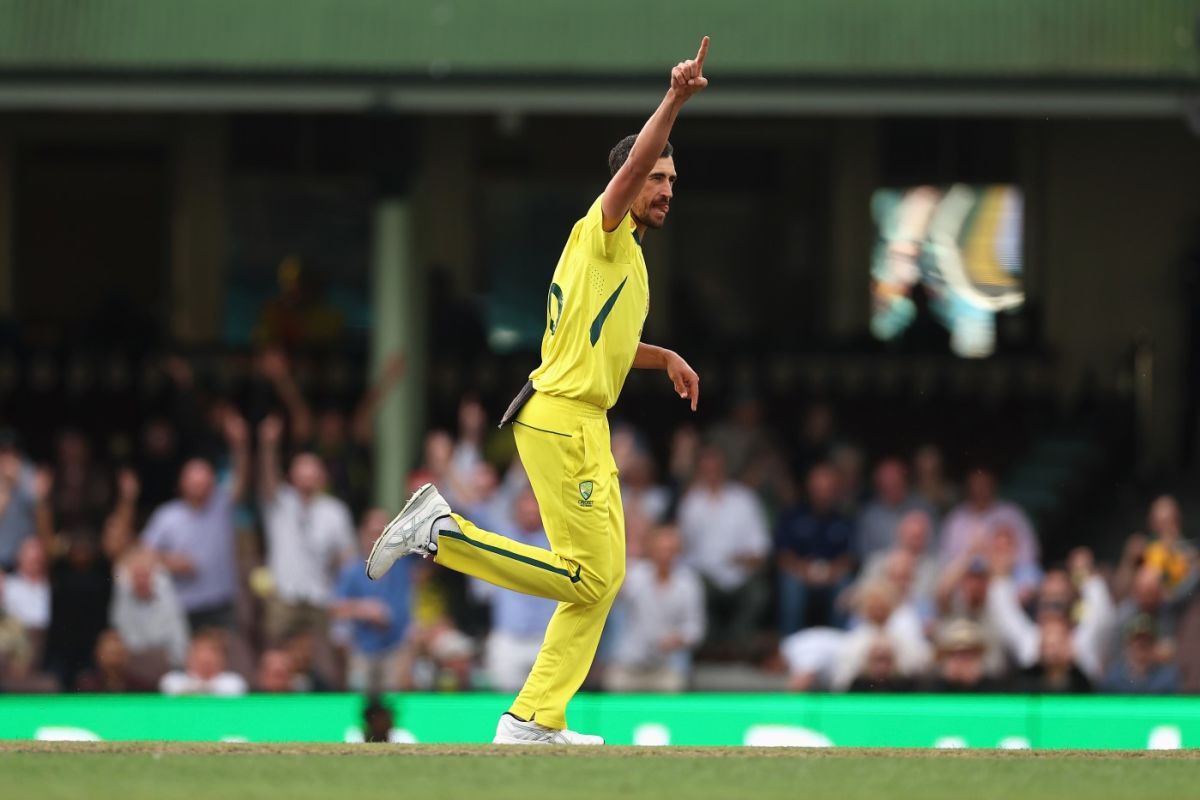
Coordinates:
741 437
725 537
963 593
1055 671
468 449
913 537
1002 549
663 620
1166 552
276 674
378 721
811 656
930 481
342 444
205 671
18 499
961 664
439 654
309 535
816 440
25 594
972 521
518 620
437 467
146 613
1139 670
881 614
112 673
681 466
645 503
1148 597
880 518
1088 613
193 535
80 592
82 492
900 571
304 645
378 612
158 464
16 652
813 546
879 672
120 528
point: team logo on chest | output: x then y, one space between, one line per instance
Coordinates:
585 494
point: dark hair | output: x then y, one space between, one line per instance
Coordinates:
620 153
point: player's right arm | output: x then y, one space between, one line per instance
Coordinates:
687 78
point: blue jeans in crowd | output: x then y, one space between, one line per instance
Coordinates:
803 606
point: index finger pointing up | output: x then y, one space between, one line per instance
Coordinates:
700 54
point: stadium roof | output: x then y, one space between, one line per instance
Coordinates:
444 46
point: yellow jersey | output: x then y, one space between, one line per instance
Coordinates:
595 310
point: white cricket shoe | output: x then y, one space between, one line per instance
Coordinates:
513 731
410 533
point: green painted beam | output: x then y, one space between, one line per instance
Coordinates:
1143 39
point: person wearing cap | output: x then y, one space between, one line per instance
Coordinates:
961 666
1139 670
964 593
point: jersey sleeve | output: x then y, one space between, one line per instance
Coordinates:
606 245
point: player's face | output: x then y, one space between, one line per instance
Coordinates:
653 204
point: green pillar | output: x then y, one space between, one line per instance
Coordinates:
398 325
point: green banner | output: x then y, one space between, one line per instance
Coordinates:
693 719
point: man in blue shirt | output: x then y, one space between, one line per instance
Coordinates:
378 613
1141 669
814 544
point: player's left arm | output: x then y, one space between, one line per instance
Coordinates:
687 382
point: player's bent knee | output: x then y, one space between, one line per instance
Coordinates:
598 588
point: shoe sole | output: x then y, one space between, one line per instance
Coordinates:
422 491
506 740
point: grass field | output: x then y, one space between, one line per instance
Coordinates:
166 771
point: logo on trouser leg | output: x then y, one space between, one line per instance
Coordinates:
585 494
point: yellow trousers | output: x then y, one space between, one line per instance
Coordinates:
564 446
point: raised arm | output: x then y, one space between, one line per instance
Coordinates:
270 431
120 529
687 78
362 426
274 367
237 436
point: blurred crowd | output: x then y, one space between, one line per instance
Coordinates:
222 553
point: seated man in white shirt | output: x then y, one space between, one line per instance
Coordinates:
205 672
726 541
25 594
147 613
309 534
661 607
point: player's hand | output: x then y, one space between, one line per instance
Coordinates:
687 382
687 77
